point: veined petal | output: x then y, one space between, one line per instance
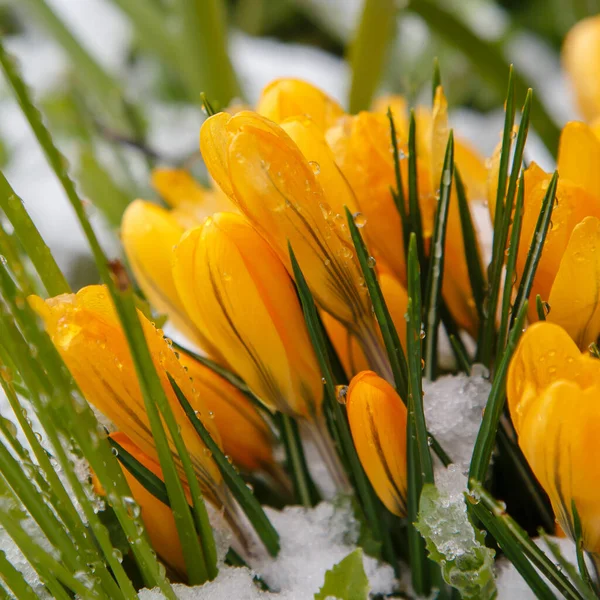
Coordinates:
559 437
580 59
235 287
214 144
579 156
149 234
86 331
191 203
399 107
284 98
572 205
346 345
157 517
545 354
440 131
245 435
575 296
377 420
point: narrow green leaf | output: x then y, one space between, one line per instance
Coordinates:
436 80
398 193
388 331
486 437
472 252
519 539
347 580
33 244
489 61
464 362
436 263
207 106
369 49
513 550
236 484
500 231
15 580
577 531
537 246
414 219
540 308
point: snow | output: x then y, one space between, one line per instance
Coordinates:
453 408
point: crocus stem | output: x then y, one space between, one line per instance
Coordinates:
319 435
296 460
375 353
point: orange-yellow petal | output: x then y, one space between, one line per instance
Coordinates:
545 354
377 420
399 107
236 289
245 435
149 234
472 169
575 296
86 331
346 345
579 156
580 59
284 98
396 299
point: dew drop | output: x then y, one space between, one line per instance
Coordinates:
371 262
315 166
341 392
325 210
359 219
446 177
132 507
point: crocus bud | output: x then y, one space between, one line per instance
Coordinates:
553 394
236 289
149 233
377 419
87 333
284 98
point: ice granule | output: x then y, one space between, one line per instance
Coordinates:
453 409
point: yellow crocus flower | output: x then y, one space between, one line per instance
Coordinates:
236 289
86 331
284 98
580 59
377 418
149 233
553 394
157 517
270 180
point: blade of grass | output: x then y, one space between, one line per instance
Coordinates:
537 246
499 240
34 246
436 263
513 546
472 253
14 580
236 484
369 49
436 79
356 473
540 308
388 331
398 193
463 362
583 570
414 218
488 59
486 436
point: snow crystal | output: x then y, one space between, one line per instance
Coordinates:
453 409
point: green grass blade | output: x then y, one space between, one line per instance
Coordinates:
472 252
513 546
388 331
436 79
537 246
414 219
463 362
15 580
489 61
356 473
236 484
499 241
34 246
583 570
540 308
436 263
486 437
369 50
398 193
511 263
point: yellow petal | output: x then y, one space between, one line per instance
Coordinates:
157 517
472 169
399 107
572 205
559 438
214 143
275 187
245 435
545 355
579 157
575 296
191 202
346 345
284 98
439 135
396 300
580 59
235 287
87 333
377 420
149 234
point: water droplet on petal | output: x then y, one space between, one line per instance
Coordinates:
359 219
315 166
341 392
